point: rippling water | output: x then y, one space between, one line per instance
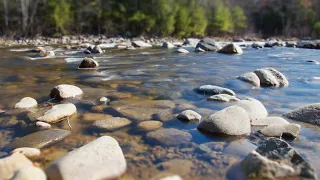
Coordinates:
147 76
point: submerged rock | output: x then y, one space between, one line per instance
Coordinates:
99 159
28 152
26 103
58 112
149 125
213 90
232 120
12 164
189 115
271 77
39 139
223 98
111 124
169 137
88 63
279 130
254 108
251 78
45 53
308 114
231 49
65 91
208 44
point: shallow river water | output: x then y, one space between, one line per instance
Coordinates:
157 84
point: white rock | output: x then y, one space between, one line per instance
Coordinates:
271 77
223 98
250 77
100 159
278 130
30 173
58 112
26 103
167 45
174 177
183 51
65 91
269 121
28 152
141 44
10 165
43 125
189 115
232 120
104 100
254 108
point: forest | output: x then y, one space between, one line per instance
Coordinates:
178 18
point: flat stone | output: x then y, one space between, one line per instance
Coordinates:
223 98
26 103
149 125
279 130
43 125
11 164
232 120
308 114
58 112
208 44
88 63
28 152
39 139
254 108
271 77
169 137
189 115
213 90
269 121
103 158
111 124
30 173
65 91
231 49
251 78
94 116
182 51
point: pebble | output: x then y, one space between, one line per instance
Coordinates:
28 152
150 125
26 103
111 124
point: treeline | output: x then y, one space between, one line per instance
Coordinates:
181 18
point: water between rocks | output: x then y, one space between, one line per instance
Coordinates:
157 84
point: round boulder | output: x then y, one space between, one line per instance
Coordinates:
88 63
231 49
189 115
254 108
149 125
26 103
250 77
271 77
308 114
65 91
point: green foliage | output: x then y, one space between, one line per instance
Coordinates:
222 19
61 14
316 29
239 19
199 22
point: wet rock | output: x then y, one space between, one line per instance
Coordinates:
279 130
103 158
182 51
37 49
198 49
58 112
224 122
282 159
271 77
251 78
39 139
269 121
231 49
208 44
308 114
191 42
10 165
189 115
291 44
313 62
223 98
28 152
140 44
43 125
176 166
257 46
212 146
96 50
254 108
26 103
88 63
213 90
45 53
30 173
167 45
149 125
169 137
65 91
111 124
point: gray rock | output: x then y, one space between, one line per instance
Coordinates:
30 173
189 115
26 103
39 139
141 44
167 45
279 130
149 125
28 152
208 44
223 98
88 63
254 108
271 77
111 124
224 122
65 91
257 46
96 50
313 62
250 77
99 159
308 114
231 49
198 49
169 137
213 90
10 165
182 51
191 42
269 121
58 112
